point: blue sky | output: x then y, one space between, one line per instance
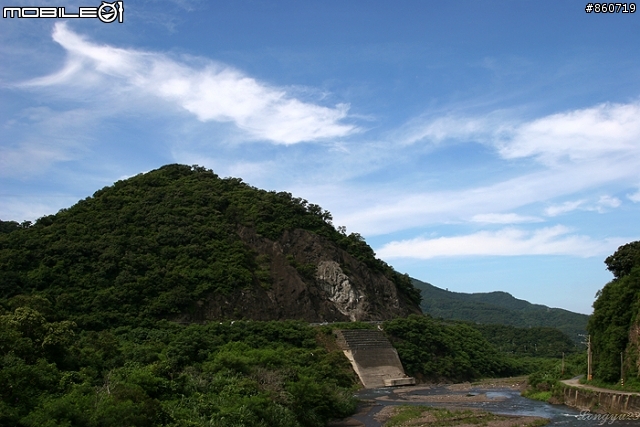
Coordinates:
477 146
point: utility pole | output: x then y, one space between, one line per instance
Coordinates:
562 373
622 368
589 376
589 358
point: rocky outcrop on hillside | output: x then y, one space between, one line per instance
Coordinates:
312 280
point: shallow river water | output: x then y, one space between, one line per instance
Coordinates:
504 401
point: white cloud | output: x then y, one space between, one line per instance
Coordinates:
447 128
576 135
509 218
506 242
606 129
563 208
604 204
569 153
211 92
635 197
607 202
403 210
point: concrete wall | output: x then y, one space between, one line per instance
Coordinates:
373 358
600 401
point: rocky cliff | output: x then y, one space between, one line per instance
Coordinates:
312 280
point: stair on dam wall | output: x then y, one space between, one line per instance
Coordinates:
373 357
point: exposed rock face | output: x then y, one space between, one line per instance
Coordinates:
346 297
313 280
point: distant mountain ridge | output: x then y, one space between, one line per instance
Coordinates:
498 308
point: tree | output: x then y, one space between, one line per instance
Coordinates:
624 259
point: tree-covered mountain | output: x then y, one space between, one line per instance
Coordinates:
615 323
498 308
535 341
181 243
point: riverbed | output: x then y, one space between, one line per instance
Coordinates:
500 397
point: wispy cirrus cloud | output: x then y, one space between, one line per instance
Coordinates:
452 127
210 91
607 202
40 136
563 208
602 205
507 218
415 209
575 135
634 197
569 153
555 240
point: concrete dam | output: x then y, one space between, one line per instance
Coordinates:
373 358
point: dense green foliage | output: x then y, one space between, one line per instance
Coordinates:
85 295
498 308
154 245
7 227
439 350
616 316
220 374
624 259
533 342
433 350
544 384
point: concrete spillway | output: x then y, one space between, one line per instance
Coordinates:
373 358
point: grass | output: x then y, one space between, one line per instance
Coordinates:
441 417
405 413
631 385
543 396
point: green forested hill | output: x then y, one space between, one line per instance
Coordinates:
176 241
615 323
95 303
498 308
535 341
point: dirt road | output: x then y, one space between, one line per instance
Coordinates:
575 382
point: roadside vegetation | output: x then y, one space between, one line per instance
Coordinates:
544 383
632 384
614 329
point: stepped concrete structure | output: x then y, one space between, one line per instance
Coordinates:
373 358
